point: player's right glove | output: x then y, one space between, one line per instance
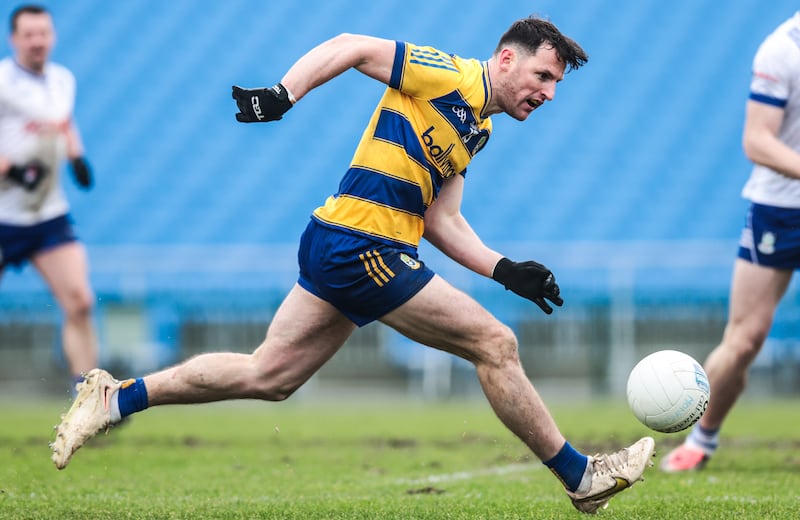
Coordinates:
259 105
530 280
28 175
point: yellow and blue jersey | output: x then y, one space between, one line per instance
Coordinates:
427 127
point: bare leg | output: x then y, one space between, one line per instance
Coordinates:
755 293
303 335
443 317
65 269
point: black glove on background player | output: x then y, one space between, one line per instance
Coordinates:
530 280
259 105
81 172
29 175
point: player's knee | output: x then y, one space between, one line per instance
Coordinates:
272 390
79 304
274 387
278 393
501 346
744 341
275 382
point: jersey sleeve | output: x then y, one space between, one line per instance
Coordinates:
424 72
775 65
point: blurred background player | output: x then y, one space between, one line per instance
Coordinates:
358 256
37 133
769 249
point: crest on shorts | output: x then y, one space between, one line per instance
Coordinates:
410 262
767 244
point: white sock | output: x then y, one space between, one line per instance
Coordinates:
703 439
586 480
113 408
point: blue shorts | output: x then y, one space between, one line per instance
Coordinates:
771 237
363 278
19 244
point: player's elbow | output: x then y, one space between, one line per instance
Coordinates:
369 55
344 39
757 145
351 45
750 147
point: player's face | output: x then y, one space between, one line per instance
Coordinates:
33 40
530 80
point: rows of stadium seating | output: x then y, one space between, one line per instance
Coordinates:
627 185
643 144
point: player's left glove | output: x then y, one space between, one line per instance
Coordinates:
81 172
28 175
259 105
530 280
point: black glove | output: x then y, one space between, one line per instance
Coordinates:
81 172
28 175
259 105
530 280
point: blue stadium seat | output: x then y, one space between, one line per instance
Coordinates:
643 144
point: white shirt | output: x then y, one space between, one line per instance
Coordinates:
35 112
776 81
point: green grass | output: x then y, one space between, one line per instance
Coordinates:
397 460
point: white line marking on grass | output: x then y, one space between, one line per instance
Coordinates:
468 475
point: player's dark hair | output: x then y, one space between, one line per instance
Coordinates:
531 32
25 9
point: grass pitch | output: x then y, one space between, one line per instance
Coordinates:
397 460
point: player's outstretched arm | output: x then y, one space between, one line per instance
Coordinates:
448 230
369 55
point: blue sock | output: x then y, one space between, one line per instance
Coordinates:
132 397
569 466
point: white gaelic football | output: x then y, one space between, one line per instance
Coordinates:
668 391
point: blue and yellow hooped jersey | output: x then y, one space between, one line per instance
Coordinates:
427 127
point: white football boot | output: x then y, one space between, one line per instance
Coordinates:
88 415
613 473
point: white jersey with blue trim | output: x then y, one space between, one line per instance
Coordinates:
35 115
776 72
